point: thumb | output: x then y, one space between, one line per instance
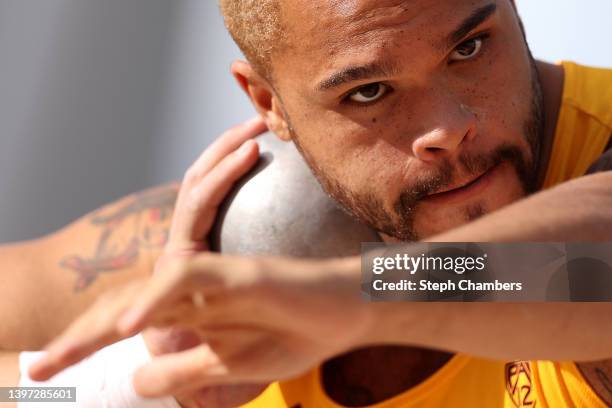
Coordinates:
179 373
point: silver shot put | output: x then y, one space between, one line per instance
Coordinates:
279 208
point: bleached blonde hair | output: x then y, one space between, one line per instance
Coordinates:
255 25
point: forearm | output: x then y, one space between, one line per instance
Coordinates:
504 331
580 210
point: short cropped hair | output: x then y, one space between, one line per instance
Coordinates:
255 25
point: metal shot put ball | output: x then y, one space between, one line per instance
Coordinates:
279 208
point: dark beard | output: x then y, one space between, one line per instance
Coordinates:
369 209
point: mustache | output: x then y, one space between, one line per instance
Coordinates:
473 165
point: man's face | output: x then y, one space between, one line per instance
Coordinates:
417 116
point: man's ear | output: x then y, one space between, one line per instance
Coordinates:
263 97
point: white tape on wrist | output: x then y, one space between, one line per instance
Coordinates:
102 380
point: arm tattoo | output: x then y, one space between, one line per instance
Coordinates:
142 222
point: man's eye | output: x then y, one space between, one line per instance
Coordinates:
368 93
468 49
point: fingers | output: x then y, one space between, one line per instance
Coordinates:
225 144
161 291
231 355
176 373
195 280
159 299
222 396
207 182
206 196
197 209
92 331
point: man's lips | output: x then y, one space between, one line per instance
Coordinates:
463 190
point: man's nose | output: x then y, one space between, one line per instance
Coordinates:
446 135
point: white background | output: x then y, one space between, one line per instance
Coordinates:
579 30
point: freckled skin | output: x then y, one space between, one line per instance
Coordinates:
436 111
441 124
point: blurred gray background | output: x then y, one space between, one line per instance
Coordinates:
101 98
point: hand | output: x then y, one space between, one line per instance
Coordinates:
204 187
263 320
174 339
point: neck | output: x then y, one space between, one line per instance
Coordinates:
551 78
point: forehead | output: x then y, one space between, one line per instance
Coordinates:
322 33
336 22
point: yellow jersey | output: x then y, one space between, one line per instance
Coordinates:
583 130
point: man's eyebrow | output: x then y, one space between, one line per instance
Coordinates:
357 73
474 20
377 70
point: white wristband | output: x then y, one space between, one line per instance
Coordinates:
103 380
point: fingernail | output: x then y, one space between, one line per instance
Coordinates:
253 121
128 321
246 147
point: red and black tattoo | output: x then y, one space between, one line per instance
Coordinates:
142 222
